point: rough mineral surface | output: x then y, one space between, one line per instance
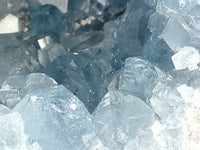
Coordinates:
55 118
119 118
14 89
99 75
12 136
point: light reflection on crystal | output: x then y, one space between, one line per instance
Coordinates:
99 75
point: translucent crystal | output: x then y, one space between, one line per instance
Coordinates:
12 132
175 6
65 70
12 136
175 41
83 72
11 57
138 78
133 32
119 117
187 57
14 89
50 53
144 141
157 23
190 95
170 107
159 53
55 118
92 142
165 41
133 64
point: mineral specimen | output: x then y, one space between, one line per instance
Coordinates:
99 74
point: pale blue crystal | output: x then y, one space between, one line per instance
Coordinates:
55 118
138 78
119 117
14 89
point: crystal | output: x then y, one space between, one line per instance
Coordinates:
175 41
170 107
14 89
12 134
133 26
11 57
119 117
121 75
168 6
144 141
49 53
81 41
9 24
195 10
164 41
190 95
138 78
55 118
83 72
92 142
187 57
157 23
158 53
66 72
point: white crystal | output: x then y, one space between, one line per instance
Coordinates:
9 24
187 57
190 95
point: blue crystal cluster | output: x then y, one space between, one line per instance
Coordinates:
100 75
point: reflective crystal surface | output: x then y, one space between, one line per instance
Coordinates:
12 136
99 74
119 117
55 118
11 57
14 89
138 78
